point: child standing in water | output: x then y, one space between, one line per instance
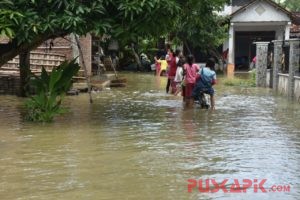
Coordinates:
179 75
191 70
163 65
173 58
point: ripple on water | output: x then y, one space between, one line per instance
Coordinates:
139 143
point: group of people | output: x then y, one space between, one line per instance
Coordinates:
186 77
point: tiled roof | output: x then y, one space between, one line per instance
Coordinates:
296 18
295 31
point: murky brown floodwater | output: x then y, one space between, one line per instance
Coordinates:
138 143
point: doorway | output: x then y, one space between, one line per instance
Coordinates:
245 50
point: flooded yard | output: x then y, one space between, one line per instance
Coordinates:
140 143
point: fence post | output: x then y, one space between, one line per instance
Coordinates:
293 65
277 62
261 63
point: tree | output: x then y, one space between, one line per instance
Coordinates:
193 22
292 5
151 20
30 22
39 20
199 24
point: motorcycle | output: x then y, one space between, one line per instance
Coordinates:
202 100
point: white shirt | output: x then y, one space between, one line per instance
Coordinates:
179 74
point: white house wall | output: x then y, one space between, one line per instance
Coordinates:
227 10
268 13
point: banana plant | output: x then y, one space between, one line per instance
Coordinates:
50 90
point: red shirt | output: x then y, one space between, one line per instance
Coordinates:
173 66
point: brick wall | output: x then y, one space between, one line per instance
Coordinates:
58 45
64 46
9 78
86 45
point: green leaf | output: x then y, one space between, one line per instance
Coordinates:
54 77
9 33
50 92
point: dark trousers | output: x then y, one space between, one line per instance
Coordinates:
168 85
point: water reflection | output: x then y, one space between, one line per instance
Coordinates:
139 143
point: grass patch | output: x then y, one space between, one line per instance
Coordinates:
250 82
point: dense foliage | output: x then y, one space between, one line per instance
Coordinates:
200 24
30 22
292 5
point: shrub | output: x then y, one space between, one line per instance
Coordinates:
50 90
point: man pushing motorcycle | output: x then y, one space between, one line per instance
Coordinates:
205 80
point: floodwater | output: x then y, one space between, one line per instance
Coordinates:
139 143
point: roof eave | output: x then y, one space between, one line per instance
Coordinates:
276 5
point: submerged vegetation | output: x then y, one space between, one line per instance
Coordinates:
235 81
50 91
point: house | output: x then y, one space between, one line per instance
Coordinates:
251 21
53 52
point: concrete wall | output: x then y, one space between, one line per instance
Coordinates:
287 84
297 88
283 84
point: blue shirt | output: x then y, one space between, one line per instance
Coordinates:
206 77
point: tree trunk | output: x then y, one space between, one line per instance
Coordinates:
218 56
24 63
187 47
88 78
136 56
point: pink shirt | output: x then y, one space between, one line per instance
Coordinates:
191 73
